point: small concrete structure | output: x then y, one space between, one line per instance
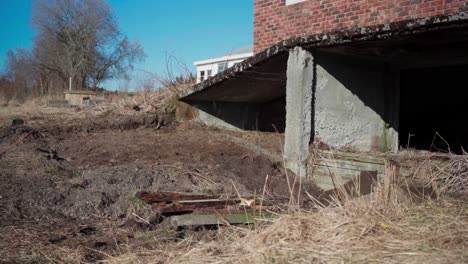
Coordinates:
80 97
349 91
58 103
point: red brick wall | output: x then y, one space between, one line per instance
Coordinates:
274 21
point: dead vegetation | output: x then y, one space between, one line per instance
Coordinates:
67 190
390 226
95 161
452 176
162 100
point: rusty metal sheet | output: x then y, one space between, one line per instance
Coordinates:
157 197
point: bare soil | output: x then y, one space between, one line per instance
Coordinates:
68 178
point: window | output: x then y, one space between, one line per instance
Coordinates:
202 76
208 73
222 66
291 2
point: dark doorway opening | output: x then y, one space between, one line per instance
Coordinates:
86 101
434 108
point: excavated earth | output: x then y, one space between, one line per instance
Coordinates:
68 179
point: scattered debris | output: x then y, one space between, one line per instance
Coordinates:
21 139
185 209
170 196
88 230
51 154
136 108
17 122
58 103
211 219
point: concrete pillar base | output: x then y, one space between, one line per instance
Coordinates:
300 76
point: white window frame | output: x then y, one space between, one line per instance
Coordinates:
225 66
292 2
202 76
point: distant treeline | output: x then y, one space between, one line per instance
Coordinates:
77 39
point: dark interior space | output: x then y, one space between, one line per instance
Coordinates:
267 117
254 99
273 115
433 108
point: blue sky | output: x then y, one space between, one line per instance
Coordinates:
191 30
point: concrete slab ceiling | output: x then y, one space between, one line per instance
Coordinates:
258 83
262 78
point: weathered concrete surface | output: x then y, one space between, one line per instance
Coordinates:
211 120
252 100
335 168
242 116
255 83
395 30
300 76
350 104
231 116
356 100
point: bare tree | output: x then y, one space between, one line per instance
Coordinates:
116 63
176 75
21 73
80 39
77 39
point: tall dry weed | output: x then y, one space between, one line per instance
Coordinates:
385 226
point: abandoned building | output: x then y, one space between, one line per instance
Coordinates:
352 76
80 97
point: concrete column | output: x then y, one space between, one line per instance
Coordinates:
300 75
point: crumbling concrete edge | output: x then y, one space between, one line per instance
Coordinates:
234 70
337 37
381 31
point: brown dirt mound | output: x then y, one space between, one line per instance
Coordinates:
94 173
68 176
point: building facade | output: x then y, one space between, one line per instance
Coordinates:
277 20
211 67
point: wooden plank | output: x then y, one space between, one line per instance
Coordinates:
184 207
210 201
214 219
157 197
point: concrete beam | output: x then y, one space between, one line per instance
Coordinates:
300 76
230 81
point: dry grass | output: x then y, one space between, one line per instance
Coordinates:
162 100
118 106
150 101
383 227
452 176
